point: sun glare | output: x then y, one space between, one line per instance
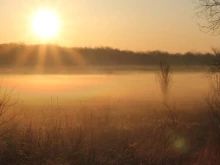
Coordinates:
45 24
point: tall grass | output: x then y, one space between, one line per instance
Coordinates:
91 138
109 135
211 152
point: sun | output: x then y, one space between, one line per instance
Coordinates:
45 24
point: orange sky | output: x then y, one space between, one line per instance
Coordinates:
140 25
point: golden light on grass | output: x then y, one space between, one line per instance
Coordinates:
45 24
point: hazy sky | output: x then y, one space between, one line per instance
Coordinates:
168 25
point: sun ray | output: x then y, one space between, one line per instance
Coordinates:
76 58
55 52
8 49
41 53
23 57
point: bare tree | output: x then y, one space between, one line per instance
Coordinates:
165 80
215 67
7 112
209 11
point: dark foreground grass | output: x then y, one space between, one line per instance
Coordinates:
97 136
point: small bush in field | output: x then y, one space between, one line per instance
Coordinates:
165 80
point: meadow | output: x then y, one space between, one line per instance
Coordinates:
128 104
91 106
118 118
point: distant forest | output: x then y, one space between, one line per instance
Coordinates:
21 56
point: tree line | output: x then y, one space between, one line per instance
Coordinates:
21 55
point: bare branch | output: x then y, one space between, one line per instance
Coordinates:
209 10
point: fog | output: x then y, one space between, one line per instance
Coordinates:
187 88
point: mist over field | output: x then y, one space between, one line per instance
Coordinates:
80 101
109 82
91 110
142 86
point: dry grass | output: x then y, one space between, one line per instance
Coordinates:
114 134
211 152
96 136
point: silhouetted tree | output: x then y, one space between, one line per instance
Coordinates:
215 67
209 10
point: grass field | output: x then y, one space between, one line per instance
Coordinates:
109 119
